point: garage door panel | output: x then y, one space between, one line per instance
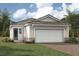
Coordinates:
47 36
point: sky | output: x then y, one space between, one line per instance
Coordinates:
21 11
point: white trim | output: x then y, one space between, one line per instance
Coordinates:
49 34
28 32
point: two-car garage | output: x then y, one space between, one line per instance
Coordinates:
49 35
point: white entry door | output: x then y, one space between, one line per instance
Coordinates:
49 36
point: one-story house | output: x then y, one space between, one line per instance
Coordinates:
46 29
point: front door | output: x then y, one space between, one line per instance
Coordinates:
15 33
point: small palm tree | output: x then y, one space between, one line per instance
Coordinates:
5 22
73 19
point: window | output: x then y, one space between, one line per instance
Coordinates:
20 30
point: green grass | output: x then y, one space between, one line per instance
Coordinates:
20 49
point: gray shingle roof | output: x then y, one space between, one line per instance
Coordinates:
24 21
12 22
39 20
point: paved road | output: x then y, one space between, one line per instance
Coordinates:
72 49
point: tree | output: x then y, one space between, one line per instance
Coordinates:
73 19
4 22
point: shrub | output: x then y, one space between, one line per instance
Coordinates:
25 41
11 40
2 39
5 39
72 40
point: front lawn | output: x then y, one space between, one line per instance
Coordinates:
20 49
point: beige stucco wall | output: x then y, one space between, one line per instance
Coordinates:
66 32
28 31
25 33
32 33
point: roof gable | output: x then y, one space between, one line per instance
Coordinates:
48 18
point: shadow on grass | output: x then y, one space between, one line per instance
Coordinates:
8 51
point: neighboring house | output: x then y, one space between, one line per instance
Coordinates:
46 29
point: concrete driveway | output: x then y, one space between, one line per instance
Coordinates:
72 49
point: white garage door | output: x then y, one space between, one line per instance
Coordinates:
49 36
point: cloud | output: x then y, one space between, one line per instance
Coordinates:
31 5
20 13
30 14
43 9
73 7
64 6
61 14
59 8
